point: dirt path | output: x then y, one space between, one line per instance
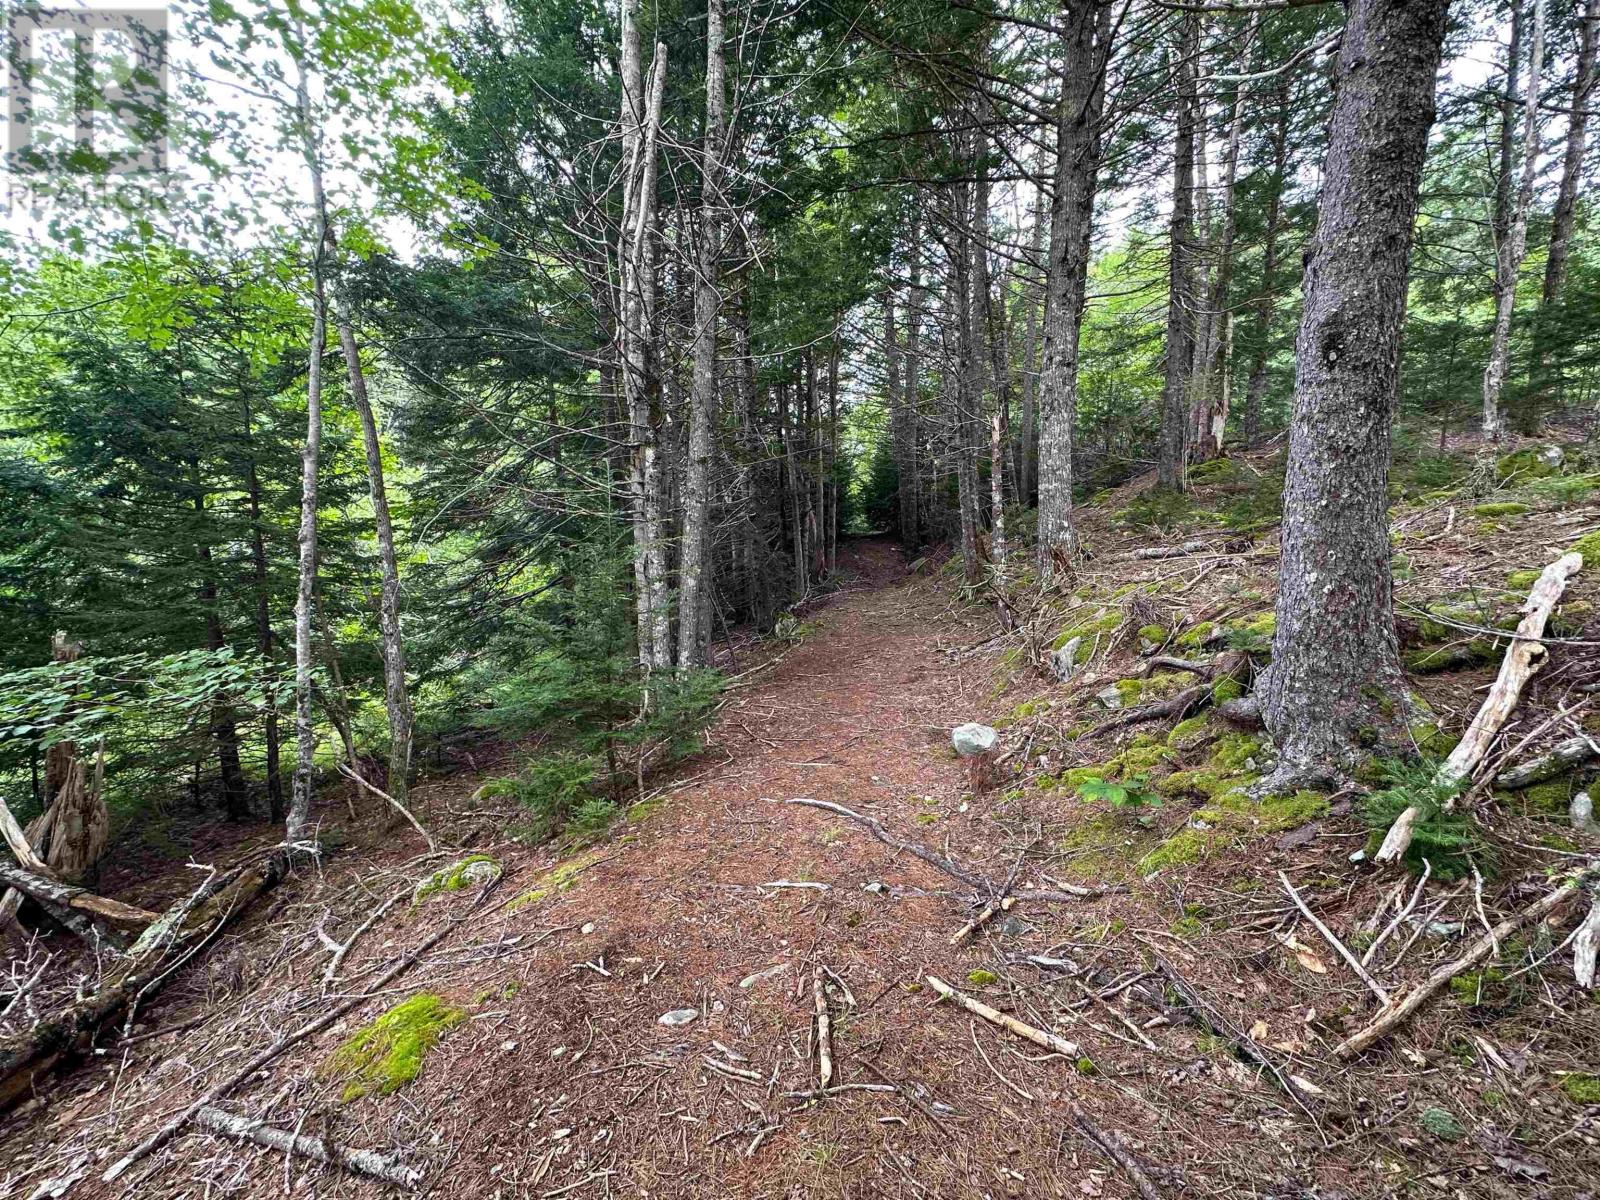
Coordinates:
564 1081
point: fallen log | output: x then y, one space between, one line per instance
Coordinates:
360 1162
26 1058
53 893
1521 663
1397 1013
978 1008
1182 551
1558 760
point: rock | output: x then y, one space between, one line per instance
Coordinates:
1551 456
1013 927
1582 813
1064 662
678 1016
1110 697
973 739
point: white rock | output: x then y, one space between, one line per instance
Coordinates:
1064 662
972 739
1110 697
678 1016
1582 813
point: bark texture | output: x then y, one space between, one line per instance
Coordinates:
1174 449
1334 655
1086 26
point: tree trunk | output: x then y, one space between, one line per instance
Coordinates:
263 614
967 392
694 595
1217 393
1266 305
912 389
1335 663
1561 219
990 320
304 722
1174 449
1512 247
1028 445
396 694
1085 38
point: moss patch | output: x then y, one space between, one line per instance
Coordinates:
382 1057
1197 636
982 978
1589 547
457 877
560 878
1582 1088
1504 508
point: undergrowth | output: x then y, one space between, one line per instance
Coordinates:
1446 838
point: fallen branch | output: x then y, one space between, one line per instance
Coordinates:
1521 663
27 1057
1327 936
361 1162
1558 760
1399 1012
1585 944
1225 666
978 1008
1242 1042
987 914
343 949
819 996
55 894
1182 551
1111 1146
18 841
398 807
970 878
283 1043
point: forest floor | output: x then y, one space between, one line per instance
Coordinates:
717 901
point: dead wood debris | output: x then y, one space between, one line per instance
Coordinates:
360 1162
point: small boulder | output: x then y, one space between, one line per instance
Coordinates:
678 1016
973 739
1111 697
1582 813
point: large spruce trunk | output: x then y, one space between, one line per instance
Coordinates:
1173 453
1335 666
1086 31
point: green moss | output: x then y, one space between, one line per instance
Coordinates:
1524 465
382 1057
1029 708
1569 489
642 811
1106 622
1582 1088
1188 928
1503 508
1226 689
1552 797
1185 846
982 978
560 878
1453 657
1433 741
1263 624
1589 547
1197 635
1086 1066
1522 580
1491 989
1233 751
1130 690
1570 619
454 878
1442 1124
1138 759
1166 683
1153 633
1188 733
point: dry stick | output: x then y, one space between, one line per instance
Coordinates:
970 878
339 952
282 1044
1111 1146
819 996
1182 551
1242 1041
400 808
18 841
1522 661
1427 870
988 913
1399 1012
1038 1037
1327 936
361 1162
1585 945
1561 757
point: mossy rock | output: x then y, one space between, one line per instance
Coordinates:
1455 656
1226 689
1553 798
471 871
1190 733
1197 636
1500 508
1533 462
1234 752
383 1056
1154 634
1166 683
981 978
1106 622
1262 624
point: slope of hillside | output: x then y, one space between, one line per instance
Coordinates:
641 1017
